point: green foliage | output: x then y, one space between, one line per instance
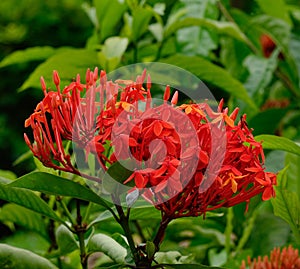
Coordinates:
52 184
220 43
65 240
71 63
27 199
213 74
279 143
287 204
25 218
107 245
12 257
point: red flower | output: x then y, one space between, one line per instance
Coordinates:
268 46
187 160
287 258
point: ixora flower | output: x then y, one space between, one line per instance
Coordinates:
188 159
287 258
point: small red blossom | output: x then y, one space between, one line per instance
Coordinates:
287 258
268 46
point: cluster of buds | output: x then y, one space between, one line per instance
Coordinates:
287 258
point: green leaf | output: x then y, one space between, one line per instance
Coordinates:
136 213
277 9
109 14
12 257
141 18
27 199
68 63
65 240
114 47
267 121
261 71
189 266
286 205
217 258
294 48
109 246
157 30
273 230
7 176
293 172
112 51
222 28
55 185
117 173
25 218
278 143
150 249
213 74
27 55
173 257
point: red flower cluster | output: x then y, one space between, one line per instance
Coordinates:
187 159
287 258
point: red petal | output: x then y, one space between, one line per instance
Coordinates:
157 128
140 181
268 193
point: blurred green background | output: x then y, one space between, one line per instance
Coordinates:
25 24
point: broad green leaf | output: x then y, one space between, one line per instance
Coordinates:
195 40
27 199
7 176
65 240
112 51
109 14
157 30
25 218
173 257
68 63
222 28
117 173
27 55
294 50
261 71
136 213
122 240
114 47
217 258
140 22
232 55
209 72
267 121
273 230
55 185
12 257
293 172
189 266
278 143
146 213
277 9
107 245
286 205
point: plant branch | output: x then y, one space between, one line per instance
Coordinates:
161 232
66 210
80 229
124 222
